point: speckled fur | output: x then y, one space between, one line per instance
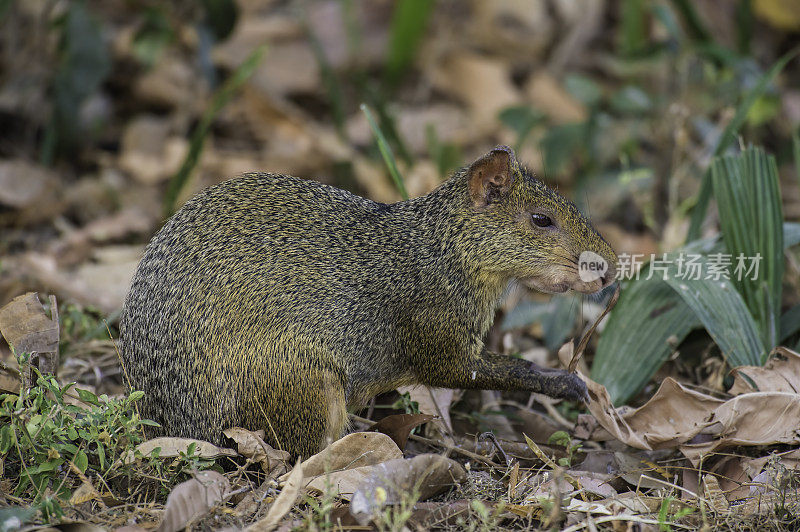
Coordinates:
272 302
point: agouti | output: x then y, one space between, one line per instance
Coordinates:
272 302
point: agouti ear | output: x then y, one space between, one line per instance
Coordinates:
490 177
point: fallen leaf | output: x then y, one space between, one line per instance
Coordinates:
781 373
284 502
192 499
374 487
552 99
482 82
27 328
674 415
752 419
252 446
399 426
171 447
354 450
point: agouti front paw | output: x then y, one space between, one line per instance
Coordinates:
562 384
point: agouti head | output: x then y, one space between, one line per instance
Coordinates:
531 232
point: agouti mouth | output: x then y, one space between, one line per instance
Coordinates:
559 288
547 288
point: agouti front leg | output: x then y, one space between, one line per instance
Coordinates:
490 371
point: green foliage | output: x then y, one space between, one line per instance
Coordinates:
409 20
406 404
42 434
741 314
521 119
563 439
83 64
153 36
386 152
748 196
220 99
729 135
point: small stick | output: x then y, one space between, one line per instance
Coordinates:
585 340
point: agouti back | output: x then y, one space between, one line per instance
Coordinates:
271 302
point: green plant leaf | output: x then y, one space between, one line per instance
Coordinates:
409 21
748 196
386 152
648 323
87 397
724 315
729 135
6 438
81 461
218 101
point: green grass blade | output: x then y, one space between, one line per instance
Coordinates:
409 20
219 100
729 136
386 152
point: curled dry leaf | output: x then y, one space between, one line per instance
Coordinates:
283 503
26 328
192 499
752 419
252 446
781 373
387 483
399 426
354 450
673 416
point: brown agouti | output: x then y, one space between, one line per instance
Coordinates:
272 302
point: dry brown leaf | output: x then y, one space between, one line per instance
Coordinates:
550 97
433 401
354 450
753 419
673 416
781 373
192 499
150 152
387 483
481 82
284 502
252 446
102 282
399 426
27 328
171 447
31 190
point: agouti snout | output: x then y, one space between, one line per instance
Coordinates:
276 303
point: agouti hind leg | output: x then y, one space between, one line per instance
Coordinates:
302 418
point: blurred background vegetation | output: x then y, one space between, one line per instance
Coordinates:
113 112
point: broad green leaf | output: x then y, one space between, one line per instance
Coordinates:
648 323
725 316
87 397
748 197
6 438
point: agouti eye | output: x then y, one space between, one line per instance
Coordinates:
541 220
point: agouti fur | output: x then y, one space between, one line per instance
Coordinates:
271 302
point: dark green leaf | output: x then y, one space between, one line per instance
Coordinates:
409 21
81 461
